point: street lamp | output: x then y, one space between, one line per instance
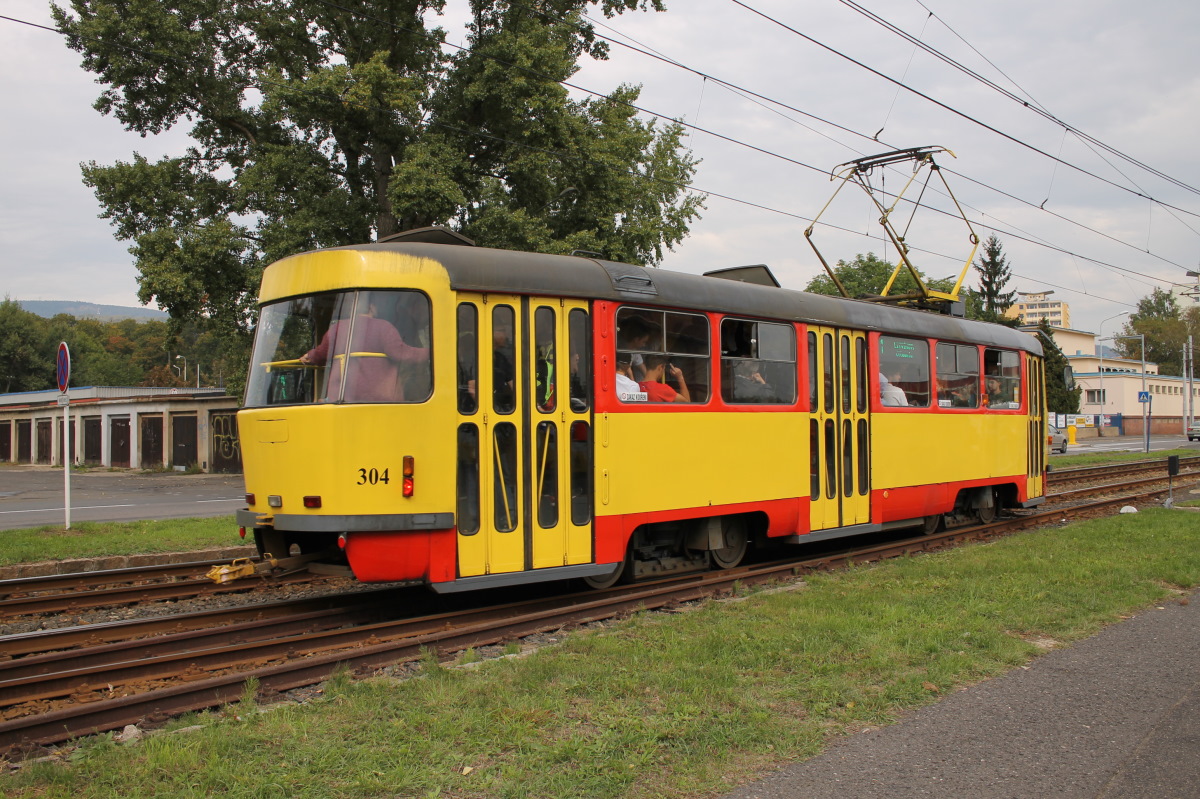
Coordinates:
1145 413
180 357
1100 352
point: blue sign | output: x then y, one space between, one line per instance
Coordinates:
63 366
1143 396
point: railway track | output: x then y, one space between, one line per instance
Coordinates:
99 589
1187 466
51 697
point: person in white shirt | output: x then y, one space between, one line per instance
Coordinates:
627 388
890 393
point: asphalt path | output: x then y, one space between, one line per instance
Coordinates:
31 496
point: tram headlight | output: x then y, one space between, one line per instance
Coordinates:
409 466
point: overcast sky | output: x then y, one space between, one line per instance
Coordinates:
1127 75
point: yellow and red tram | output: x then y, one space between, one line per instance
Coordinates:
432 411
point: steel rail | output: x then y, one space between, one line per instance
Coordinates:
102 577
20 645
15 607
1130 467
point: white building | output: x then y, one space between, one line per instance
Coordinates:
148 428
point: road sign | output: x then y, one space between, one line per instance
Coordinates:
1143 396
64 366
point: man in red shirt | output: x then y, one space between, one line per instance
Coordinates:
658 391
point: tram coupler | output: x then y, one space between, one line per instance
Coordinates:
268 566
239 568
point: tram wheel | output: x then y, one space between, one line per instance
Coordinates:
736 544
601 581
932 524
989 514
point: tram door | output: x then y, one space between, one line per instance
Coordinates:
524 434
839 428
1035 397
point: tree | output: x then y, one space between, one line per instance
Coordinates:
866 276
1058 398
24 363
994 274
1157 318
321 124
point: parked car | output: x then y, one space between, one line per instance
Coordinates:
1194 432
1058 440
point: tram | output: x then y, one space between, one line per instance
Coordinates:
422 409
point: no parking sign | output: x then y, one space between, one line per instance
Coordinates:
64 366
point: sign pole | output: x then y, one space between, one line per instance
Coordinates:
64 379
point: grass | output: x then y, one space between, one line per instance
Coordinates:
100 539
670 705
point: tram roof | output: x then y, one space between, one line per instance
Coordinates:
507 271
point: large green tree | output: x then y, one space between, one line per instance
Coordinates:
320 123
1165 329
24 363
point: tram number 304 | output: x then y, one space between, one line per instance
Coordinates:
372 477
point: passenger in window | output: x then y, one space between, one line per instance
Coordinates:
374 350
503 370
657 391
627 388
545 379
891 394
634 334
749 384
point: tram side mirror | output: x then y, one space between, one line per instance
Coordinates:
1173 465
1069 378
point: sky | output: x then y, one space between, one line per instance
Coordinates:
1094 228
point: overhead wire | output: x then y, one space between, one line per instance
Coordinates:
1031 104
955 111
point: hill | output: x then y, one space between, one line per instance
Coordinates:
90 310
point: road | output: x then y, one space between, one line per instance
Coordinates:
1111 443
31 496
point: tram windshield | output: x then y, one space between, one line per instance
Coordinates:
348 346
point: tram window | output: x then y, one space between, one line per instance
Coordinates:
827 370
813 403
1002 378
958 376
682 338
860 362
547 474
504 351
847 458
904 363
348 346
844 358
468 479
581 474
468 358
581 360
814 458
831 456
504 476
863 450
758 362
546 370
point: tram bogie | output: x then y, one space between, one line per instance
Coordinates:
463 417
